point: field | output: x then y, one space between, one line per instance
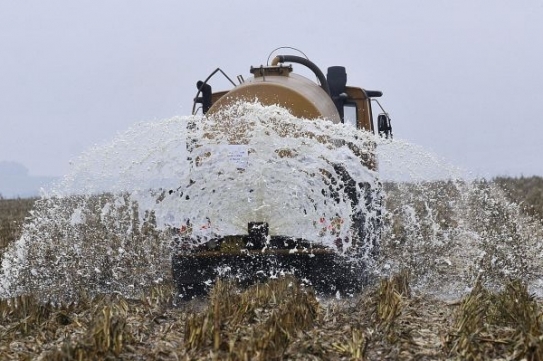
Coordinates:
281 319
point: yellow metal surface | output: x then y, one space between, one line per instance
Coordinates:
302 97
363 108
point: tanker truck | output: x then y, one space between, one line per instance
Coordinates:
264 249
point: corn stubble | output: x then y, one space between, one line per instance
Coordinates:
489 325
276 320
12 215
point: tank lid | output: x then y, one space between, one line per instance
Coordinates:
263 71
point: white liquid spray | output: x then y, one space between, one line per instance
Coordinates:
107 226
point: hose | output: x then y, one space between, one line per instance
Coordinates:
309 64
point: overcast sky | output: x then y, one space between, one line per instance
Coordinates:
462 78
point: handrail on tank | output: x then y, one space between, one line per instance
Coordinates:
204 83
380 106
285 47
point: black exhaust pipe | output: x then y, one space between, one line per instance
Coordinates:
337 81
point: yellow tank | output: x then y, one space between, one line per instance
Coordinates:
328 98
278 86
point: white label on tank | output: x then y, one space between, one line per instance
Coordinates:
237 155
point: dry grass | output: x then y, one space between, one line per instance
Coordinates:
490 325
271 321
528 192
12 215
256 324
277 320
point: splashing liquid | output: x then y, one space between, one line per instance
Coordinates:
449 229
107 227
